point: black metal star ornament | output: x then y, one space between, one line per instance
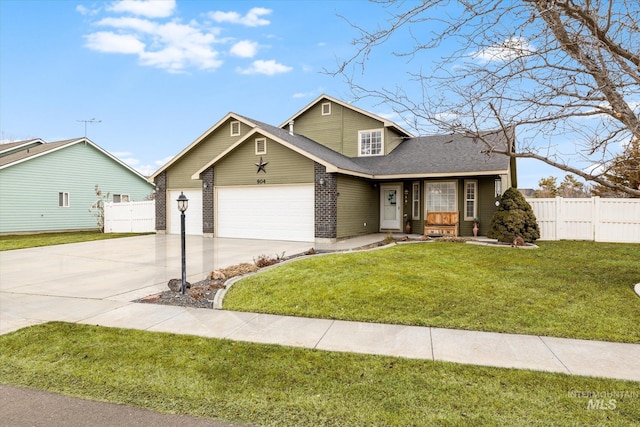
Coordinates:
261 166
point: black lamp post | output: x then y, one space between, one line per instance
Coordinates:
183 204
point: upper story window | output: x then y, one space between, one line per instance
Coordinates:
261 146
370 142
63 199
326 108
120 198
235 128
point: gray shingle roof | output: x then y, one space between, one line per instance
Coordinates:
314 149
440 154
34 151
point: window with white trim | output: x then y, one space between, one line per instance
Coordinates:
441 196
370 142
120 198
470 200
415 205
63 199
235 128
326 108
261 146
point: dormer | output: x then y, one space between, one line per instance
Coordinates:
347 129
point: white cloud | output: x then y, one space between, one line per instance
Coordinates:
512 48
251 19
137 28
310 94
244 49
170 46
393 116
109 42
136 24
148 8
269 68
82 10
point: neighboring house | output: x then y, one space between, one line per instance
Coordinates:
51 186
330 171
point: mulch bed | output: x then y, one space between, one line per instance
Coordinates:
199 295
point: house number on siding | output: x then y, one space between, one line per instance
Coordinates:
261 181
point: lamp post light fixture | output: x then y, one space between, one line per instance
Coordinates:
183 204
498 187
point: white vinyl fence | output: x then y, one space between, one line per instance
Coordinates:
131 217
602 220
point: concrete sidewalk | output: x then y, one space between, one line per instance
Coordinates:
95 282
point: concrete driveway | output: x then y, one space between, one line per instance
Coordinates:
51 283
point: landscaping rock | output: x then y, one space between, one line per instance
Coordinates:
176 285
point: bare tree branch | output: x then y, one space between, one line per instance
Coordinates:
552 69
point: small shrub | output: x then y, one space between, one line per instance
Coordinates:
388 238
265 261
238 270
514 218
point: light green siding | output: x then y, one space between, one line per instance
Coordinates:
285 166
338 130
29 190
179 174
358 203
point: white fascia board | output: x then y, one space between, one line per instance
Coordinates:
441 174
198 140
386 123
258 131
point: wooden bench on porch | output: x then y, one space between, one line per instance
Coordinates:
441 224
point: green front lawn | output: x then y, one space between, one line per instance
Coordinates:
271 385
564 289
22 241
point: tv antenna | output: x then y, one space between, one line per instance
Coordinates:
88 121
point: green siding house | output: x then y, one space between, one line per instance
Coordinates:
51 186
330 171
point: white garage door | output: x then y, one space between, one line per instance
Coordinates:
272 213
193 215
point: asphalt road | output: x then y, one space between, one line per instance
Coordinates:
21 407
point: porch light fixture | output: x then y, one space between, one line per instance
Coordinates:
406 195
183 204
322 182
498 187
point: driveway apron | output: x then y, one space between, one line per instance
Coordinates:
75 281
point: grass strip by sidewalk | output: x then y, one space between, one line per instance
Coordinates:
280 386
564 289
23 241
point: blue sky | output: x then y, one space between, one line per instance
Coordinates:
158 74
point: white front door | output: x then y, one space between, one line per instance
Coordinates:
390 204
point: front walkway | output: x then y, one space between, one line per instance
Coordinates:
95 282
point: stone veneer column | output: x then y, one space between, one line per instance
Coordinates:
326 203
207 202
161 203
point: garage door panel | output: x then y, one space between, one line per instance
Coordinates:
273 213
